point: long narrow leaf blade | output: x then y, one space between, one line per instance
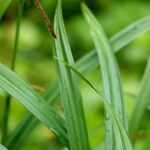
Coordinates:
119 40
115 119
32 101
23 129
110 77
142 101
69 91
18 138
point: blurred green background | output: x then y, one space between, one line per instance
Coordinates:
35 64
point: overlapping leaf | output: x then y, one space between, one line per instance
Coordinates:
69 91
32 101
111 80
120 129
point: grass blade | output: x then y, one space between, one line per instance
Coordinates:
23 130
142 101
90 61
3 6
18 138
110 77
69 91
32 101
121 131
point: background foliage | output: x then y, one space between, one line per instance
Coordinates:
35 65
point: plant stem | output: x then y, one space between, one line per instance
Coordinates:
13 62
45 18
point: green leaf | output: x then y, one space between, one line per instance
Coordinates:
128 34
110 77
18 137
32 101
69 91
2 147
120 129
143 100
3 6
89 62
24 129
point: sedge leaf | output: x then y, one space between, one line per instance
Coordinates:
16 87
24 129
110 77
69 91
3 6
90 61
120 129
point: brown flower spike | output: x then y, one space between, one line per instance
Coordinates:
45 18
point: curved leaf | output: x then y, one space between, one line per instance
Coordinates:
24 129
120 129
32 101
69 91
110 77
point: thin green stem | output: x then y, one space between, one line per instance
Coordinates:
13 62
